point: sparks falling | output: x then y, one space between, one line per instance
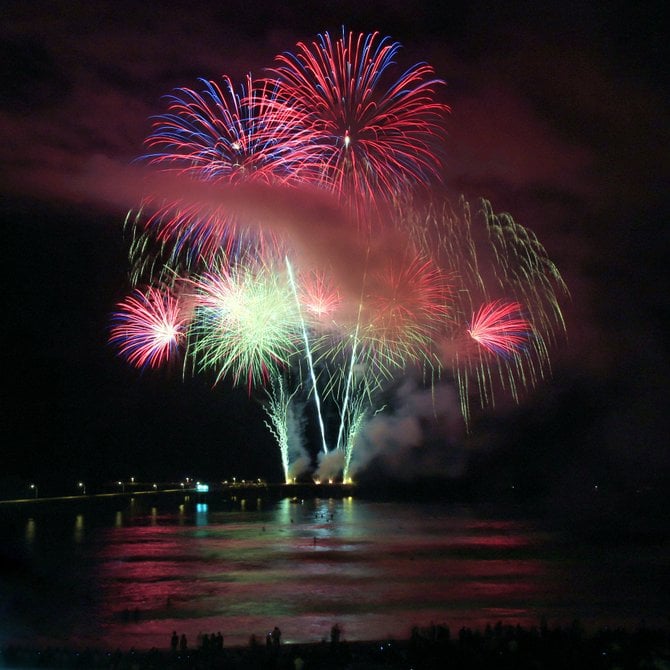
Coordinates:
335 312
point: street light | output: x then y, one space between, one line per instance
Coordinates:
82 486
36 489
123 486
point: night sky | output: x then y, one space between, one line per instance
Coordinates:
559 116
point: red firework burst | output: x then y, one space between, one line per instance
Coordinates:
499 327
405 303
368 136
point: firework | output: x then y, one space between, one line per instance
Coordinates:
308 354
368 135
319 297
499 327
219 136
148 327
404 304
245 322
417 279
284 420
356 415
487 254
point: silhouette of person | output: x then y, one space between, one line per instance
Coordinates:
335 634
183 642
276 636
174 641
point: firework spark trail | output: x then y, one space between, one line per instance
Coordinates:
356 416
344 410
352 363
148 327
278 409
308 353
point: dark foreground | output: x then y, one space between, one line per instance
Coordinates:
499 647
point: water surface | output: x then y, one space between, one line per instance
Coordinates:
128 576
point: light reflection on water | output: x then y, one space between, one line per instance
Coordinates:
130 576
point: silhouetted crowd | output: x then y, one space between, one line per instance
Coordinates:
497 647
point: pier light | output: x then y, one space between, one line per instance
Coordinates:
82 486
122 485
35 489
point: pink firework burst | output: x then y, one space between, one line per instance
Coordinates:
148 327
369 135
500 328
404 305
318 296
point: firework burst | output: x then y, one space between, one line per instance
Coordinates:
149 327
319 296
368 135
499 327
403 306
220 136
245 323
337 116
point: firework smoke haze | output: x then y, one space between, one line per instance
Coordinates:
320 233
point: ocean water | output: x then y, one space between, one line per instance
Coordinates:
128 573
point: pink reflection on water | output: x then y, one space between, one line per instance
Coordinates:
374 572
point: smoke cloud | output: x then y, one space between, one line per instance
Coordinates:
329 465
319 232
417 434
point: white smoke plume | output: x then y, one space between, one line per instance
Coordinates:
329 465
418 434
298 457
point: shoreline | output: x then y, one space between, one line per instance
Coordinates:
497 646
